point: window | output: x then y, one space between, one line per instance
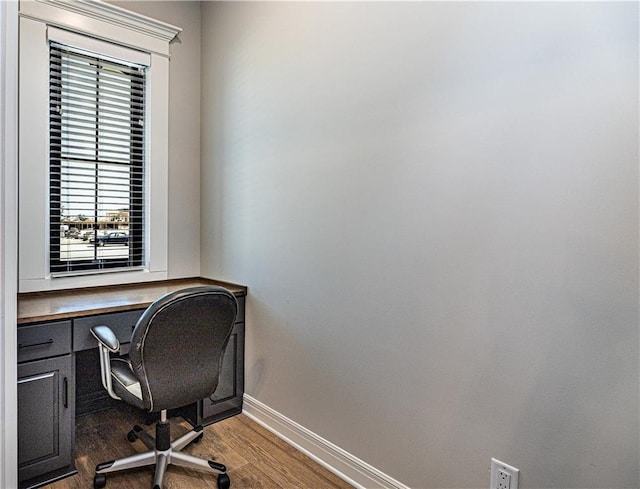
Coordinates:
97 161
93 145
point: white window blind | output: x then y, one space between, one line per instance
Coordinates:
97 155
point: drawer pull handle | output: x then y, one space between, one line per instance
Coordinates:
39 343
66 393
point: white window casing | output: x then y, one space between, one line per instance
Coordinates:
114 32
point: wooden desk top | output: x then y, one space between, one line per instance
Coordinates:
66 304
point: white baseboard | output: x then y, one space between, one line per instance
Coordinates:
349 468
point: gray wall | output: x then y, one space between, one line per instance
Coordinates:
184 131
435 208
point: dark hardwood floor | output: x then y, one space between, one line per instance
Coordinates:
255 458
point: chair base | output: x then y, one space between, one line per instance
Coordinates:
162 453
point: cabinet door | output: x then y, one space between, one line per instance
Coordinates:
45 416
227 399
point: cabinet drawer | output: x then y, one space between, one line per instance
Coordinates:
121 323
44 340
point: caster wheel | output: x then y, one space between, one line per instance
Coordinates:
132 436
198 439
99 481
223 481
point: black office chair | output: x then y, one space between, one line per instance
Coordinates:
174 360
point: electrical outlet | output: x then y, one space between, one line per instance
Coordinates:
504 479
503 476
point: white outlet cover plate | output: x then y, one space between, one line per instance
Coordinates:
496 467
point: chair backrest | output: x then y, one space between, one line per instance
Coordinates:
178 343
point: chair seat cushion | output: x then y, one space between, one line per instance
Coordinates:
125 384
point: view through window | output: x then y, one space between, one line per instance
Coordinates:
96 161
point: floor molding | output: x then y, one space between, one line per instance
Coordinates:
346 466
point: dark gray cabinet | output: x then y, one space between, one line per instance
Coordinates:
226 401
46 407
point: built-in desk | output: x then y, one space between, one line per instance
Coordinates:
59 367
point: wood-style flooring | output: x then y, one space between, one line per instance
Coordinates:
255 458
